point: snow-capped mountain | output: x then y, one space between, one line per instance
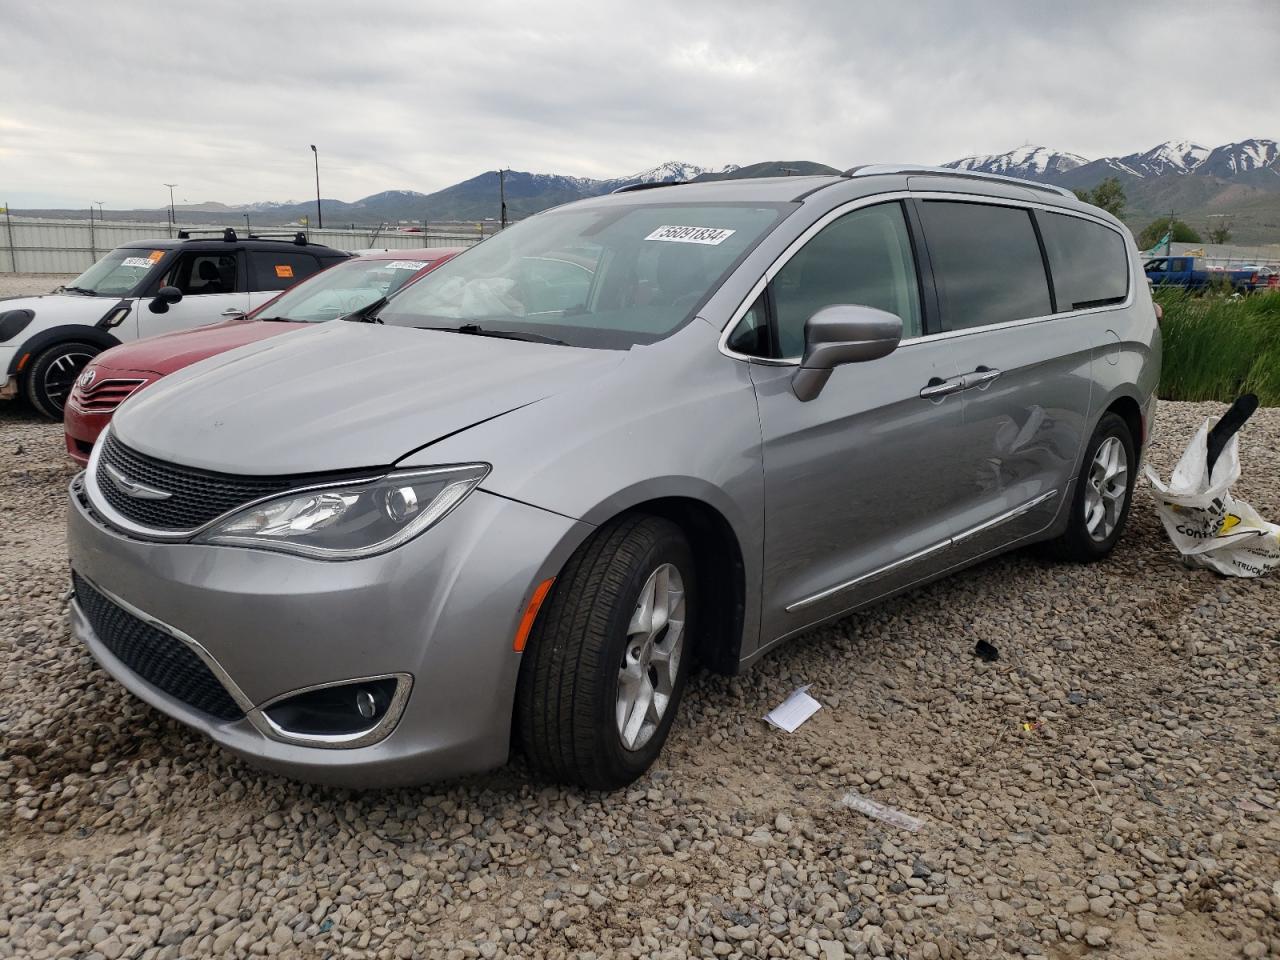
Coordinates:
1028 161
1246 156
1171 158
671 172
1174 156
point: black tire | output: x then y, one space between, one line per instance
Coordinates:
1077 543
47 382
567 692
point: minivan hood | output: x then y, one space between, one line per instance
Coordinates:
343 396
172 351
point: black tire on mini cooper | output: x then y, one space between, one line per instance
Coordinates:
47 382
1103 494
602 675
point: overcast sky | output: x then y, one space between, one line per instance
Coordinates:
107 101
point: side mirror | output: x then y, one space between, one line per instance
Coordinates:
839 334
164 296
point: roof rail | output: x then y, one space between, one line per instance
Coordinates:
227 233
871 169
633 187
297 237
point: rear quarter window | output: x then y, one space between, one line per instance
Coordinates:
278 270
1087 261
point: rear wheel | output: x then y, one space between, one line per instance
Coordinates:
1103 493
605 667
52 374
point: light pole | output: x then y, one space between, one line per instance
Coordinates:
319 215
247 228
172 218
502 197
100 214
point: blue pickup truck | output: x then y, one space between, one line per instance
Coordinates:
1192 273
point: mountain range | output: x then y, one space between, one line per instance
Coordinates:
1239 180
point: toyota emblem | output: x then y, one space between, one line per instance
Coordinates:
86 379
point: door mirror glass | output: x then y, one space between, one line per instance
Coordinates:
840 334
165 296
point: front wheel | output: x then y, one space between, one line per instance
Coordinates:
1103 493
49 379
606 663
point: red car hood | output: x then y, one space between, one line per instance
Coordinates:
168 352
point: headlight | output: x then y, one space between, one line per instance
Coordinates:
347 521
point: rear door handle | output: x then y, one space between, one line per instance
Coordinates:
980 378
937 388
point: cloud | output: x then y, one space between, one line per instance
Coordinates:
109 101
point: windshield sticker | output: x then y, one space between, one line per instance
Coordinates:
155 255
284 271
406 264
137 262
711 236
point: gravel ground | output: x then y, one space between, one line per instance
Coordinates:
1138 819
27 284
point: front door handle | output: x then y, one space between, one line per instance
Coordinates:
980 378
937 388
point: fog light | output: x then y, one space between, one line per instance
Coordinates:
338 710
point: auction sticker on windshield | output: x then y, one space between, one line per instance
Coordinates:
707 235
136 262
406 264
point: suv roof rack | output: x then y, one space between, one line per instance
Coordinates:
872 169
297 237
633 187
226 233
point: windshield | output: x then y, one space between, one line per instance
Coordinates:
609 277
341 290
116 274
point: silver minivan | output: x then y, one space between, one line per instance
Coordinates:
512 504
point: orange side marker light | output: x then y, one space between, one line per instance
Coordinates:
531 613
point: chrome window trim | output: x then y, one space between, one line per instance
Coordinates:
921 554
896 195
256 715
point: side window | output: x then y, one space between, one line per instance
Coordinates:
200 273
986 263
1087 261
278 270
751 335
862 258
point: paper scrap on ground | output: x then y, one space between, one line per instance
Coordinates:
889 815
793 711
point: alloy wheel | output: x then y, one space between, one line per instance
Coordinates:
651 658
1106 488
60 376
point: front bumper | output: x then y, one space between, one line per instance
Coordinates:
82 430
443 608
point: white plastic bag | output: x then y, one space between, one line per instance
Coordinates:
1210 527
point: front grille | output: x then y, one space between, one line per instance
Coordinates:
158 658
103 396
198 496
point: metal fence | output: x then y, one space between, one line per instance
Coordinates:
30 245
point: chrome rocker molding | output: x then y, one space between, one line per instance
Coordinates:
255 714
927 551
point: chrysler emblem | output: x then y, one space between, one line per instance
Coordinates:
86 379
131 488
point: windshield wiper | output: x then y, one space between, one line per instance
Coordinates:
475 330
366 314
85 290
276 319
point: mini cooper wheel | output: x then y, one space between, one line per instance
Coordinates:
1103 493
606 663
53 373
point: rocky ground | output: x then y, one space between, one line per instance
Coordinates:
1136 818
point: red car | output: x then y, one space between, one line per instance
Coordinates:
122 371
